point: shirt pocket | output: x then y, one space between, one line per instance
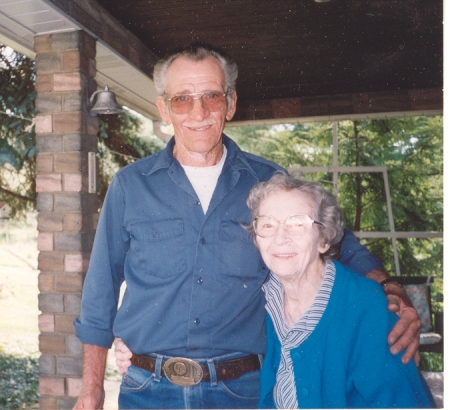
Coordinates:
158 247
238 255
232 230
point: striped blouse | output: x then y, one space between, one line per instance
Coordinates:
284 392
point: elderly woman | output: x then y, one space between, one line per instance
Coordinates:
327 326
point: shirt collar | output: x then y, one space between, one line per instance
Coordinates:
274 293
235 157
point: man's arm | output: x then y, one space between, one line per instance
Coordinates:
101 292
92 394
406 332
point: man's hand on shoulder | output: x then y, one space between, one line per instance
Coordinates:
405 333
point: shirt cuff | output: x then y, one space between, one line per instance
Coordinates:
93 336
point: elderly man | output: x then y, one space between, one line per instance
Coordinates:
171 227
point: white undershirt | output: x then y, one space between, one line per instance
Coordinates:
204 180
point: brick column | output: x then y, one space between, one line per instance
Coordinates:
67 212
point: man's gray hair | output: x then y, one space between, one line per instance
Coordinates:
327 210
196 52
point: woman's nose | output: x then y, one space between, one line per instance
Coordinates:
281 235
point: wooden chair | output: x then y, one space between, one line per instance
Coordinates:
432 331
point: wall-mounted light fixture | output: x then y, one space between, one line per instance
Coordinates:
106 102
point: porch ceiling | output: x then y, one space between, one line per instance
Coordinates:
21 20
297 58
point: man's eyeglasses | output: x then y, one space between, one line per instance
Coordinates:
211 101
295 225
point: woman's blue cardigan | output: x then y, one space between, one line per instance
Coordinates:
346 361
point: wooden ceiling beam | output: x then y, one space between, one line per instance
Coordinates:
102 25
418 100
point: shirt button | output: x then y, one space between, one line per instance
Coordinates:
296 356
304 392
197 203
197 321
202 241
200 281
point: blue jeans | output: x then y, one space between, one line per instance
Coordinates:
141 389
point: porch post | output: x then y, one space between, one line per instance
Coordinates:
67 211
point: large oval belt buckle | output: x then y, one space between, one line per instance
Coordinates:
183 372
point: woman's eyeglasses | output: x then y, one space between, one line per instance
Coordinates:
295 225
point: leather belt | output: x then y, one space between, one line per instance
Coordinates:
187 372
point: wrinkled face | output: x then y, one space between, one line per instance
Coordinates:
199 131
284 255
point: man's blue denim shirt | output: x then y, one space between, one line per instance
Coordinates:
193 280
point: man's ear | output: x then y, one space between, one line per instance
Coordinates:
163 110
232 107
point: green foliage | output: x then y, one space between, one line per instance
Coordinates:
288 145
431 362
17 137
18 381
437 294
412 151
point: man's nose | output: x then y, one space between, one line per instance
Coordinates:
198 111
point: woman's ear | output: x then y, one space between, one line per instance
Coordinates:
324 248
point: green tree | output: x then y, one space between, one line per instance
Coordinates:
287 144
412 151
290 145
17 137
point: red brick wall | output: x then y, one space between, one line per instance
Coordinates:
67 212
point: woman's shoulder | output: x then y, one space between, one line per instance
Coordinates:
358 300
357 287
353 278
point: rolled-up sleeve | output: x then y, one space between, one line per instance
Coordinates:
101 288
356 256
